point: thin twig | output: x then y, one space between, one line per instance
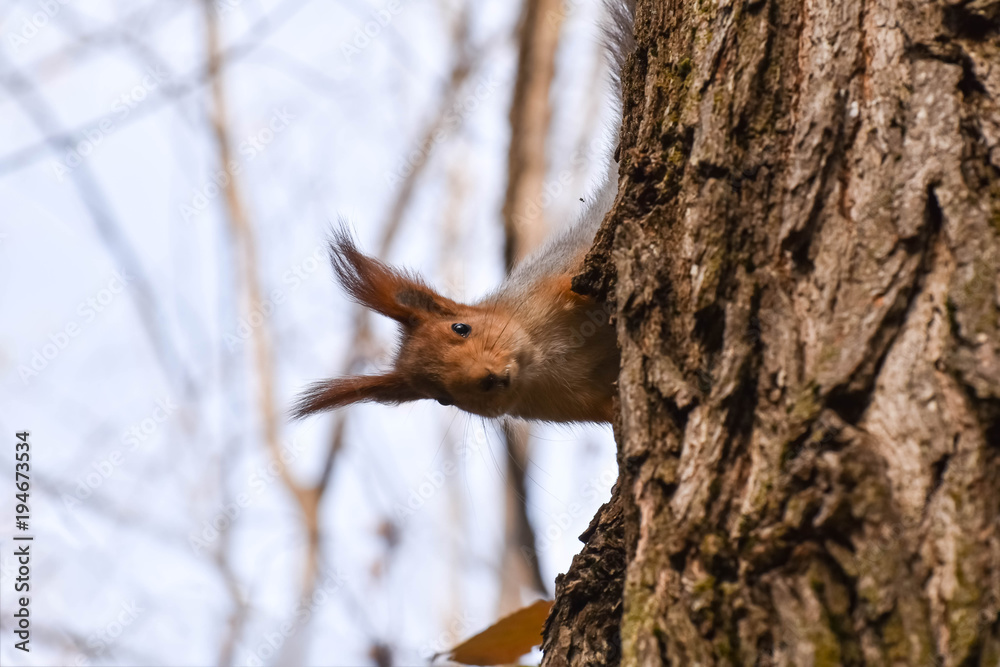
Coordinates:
112 233
244 239
64 140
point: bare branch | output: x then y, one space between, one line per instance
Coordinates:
63 140
112 233
530 111
524 229
244 239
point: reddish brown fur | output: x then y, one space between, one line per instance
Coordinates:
539 352
385 290
536 349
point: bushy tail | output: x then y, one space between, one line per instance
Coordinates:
619 42
619 38
565 252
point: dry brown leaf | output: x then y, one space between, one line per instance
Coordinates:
506 640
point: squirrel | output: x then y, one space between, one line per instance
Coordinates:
532 349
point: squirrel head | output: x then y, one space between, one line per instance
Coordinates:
470 356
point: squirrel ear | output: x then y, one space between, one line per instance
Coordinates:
405 298
390 388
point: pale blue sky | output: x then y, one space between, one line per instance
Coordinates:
158 392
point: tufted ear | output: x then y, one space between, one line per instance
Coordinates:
374 284
389 388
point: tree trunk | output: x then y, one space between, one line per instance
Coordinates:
805 263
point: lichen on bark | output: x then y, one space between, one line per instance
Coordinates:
804 259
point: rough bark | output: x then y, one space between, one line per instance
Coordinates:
805 262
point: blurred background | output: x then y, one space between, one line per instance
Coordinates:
169 171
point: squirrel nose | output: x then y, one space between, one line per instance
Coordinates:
493 380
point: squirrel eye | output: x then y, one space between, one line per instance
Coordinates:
461 329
